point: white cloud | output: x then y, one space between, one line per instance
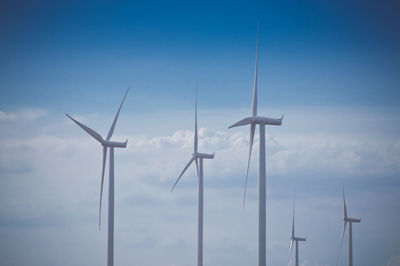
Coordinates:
307 156
50 183
25 115
180 138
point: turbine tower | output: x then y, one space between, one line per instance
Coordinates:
296 239
198 158
107 143
350 221
253 120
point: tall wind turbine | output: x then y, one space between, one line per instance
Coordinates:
197 157
107 143
295 239
350 221
253 120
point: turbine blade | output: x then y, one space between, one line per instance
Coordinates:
186 167
290 250
197 167
90 131
254 105
111 131
245 121
340 245
293 222
102 181
252 130
344 204
195 126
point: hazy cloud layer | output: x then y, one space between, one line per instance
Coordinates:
29 114
50 182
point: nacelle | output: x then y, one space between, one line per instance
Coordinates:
268 121
204 155
259 120
115 144
352 220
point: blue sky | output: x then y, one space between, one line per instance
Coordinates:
331 67
348 50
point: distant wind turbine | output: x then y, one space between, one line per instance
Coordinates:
350 221
198 159
296 239
253 120
106 143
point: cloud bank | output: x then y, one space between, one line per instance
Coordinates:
29 114
50 183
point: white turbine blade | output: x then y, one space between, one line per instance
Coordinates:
90 131
290 250
102 181
341 241
111 131
293 222
195 126
252 130
344 204
254 105
186 167
243 122
197 167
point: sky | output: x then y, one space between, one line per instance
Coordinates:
332 68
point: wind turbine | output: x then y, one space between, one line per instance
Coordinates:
296 239
350 221
253 120
198 158
107 143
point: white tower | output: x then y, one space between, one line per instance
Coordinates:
253 120
198 158
106 143
350 221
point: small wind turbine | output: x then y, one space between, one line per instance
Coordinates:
350 221
253 120
198 158
106 143
294 238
